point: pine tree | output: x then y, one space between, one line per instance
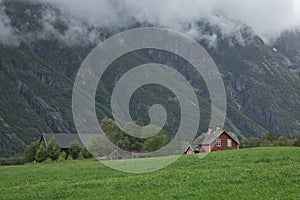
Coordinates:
74 149
53 149
31 150
41 154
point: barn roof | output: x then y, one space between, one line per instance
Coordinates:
64 140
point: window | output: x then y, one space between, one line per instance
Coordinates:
218 142
229 143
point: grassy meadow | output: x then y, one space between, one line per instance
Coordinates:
259 173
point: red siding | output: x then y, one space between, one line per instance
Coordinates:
224 136
206 148
190 151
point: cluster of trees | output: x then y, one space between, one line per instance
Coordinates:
270 139
131 143
40 153
16 160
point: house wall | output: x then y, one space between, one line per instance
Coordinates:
224 136
190 151
206 148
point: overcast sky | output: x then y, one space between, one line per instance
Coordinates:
266 17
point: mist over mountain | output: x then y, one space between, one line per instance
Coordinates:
289 45
78 19
44 42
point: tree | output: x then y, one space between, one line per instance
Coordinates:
156 142
31 150
85 153
98 146
139 122
250 142
53 149
129 142
123 140
282 141
62 156
74 149
271 137
265 141
41 154
297 142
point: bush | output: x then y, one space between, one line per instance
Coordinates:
270 140
31 150
47 161
282 141
297 142
18 160
53 149
84 153
41 154
156 142
250 142
70 158
62 156
74 149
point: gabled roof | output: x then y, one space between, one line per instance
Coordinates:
64 140
195 148
115 152
206 138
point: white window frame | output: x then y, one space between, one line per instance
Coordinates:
219 142
229 142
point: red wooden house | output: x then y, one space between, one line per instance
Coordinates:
213 141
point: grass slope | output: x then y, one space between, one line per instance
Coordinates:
261 173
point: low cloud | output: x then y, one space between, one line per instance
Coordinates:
267 18
7 35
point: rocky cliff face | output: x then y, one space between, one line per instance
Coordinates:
288 44
262 82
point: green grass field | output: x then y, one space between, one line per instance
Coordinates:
261 173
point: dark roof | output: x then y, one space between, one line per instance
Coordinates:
194 147
207 138
64 140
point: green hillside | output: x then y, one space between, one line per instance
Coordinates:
261 173
37 77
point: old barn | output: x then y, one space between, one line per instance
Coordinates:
64 140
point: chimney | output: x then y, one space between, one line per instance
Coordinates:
218 127
210 130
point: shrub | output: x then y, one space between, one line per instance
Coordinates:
156 142
18 160
53 149
250 142
297 142
47 161
41 154
85 153
70 158
74 149
62 156
282 141
31 150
